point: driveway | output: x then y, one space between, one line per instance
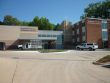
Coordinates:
35 67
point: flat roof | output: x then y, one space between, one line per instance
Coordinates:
27 38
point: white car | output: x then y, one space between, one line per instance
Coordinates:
90 46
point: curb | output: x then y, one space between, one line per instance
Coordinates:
96 63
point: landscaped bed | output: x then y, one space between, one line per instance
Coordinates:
104 59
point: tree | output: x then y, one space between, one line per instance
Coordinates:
36 21
45 24
15 21
42 23
98 10
9 20
52 27
25 23
56 27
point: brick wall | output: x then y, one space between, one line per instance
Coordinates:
10 35
108 23
80 31
94 31
75 33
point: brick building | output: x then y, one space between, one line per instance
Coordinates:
11 36
88 30
92 30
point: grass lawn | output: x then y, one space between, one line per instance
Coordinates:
104 59
107 56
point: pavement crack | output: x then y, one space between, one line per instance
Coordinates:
14 71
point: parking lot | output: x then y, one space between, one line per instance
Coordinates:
63 67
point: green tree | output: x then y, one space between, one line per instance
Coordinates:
24 23
9 20
56 27
52 27
45 24
42 23
98 10
15 21
36 21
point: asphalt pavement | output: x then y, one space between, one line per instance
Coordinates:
63 67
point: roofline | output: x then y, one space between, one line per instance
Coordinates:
91 18
97 18
52 30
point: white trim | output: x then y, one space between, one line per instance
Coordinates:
104 21
105 30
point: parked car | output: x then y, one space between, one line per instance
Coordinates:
90 46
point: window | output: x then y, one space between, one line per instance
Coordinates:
82 44
54 35
48 35
77 35
104 35
83 33
73 36
77 26
83 29
39 35
73 28
104 30
77 31
43 35
84 38
89 44
78 39
72 32
104 25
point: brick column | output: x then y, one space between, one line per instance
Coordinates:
75 32
108 23
80 31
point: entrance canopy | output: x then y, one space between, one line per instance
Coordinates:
27 38
37 38
47 38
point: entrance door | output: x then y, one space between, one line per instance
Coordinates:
2 46
105 44
27 45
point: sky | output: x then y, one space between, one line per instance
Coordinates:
55 10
